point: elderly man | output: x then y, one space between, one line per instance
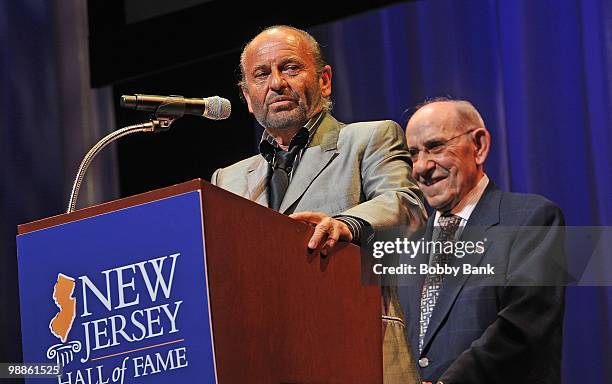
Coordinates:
345 179
462 329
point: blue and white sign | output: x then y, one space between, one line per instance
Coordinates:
121 297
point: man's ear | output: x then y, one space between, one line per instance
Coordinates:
325 81
482 139
247 98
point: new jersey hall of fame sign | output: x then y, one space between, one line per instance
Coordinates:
120 297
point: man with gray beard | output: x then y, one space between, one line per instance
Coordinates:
347 180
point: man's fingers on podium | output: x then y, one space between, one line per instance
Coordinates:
318 238
327 230
313 218
321 223
328 246
332 235
320 235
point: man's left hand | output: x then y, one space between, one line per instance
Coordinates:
328 231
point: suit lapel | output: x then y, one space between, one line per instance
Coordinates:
484 216
316 157
257 181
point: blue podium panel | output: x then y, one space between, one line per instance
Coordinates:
120 297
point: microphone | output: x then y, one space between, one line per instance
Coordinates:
215 107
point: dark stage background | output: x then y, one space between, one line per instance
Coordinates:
540 71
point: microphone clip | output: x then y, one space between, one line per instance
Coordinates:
172 108
161 123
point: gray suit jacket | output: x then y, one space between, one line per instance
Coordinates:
360 170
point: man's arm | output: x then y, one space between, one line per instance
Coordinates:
391 195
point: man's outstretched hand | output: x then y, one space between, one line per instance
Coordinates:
328 231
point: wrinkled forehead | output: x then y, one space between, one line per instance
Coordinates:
277 43
436 121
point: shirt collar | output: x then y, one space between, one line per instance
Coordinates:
268 146
466 206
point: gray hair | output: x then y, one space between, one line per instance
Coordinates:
315 49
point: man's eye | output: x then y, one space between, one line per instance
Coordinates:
260 75
435 146
413 152
292 69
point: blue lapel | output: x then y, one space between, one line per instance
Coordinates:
484 216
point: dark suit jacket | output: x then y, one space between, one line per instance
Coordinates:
502 331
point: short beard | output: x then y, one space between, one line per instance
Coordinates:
297 118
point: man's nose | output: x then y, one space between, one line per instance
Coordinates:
422 165
277 80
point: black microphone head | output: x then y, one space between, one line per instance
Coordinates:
217 108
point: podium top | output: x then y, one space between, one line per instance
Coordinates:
162 193
277 313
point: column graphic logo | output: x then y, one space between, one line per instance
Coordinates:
61 324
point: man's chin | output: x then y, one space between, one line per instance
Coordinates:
285 120
438 202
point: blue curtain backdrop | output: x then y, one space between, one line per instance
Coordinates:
49 118
540 72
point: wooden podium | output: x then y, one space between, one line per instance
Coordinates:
277 313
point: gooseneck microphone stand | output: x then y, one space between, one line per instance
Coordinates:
166 110
159 124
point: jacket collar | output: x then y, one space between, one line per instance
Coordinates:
321 150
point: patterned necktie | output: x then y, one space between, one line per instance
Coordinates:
433 282
281 168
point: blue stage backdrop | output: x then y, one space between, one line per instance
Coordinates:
49 118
